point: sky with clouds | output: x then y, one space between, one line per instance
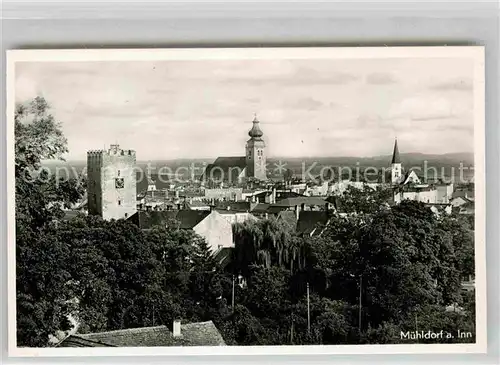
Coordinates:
192 109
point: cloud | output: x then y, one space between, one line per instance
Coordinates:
306 107
456 85
380 78
307 103
421 108
431 117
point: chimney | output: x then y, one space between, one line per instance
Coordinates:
297 212
176 328
302 206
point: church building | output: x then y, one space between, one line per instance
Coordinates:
234 170
409 186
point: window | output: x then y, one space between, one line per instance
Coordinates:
119 183
119 202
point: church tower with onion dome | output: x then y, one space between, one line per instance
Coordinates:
256 153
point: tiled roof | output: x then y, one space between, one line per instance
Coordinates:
306 200
410 188
228 166
408 173
260 208
187 218
240 206
263 194
192 334
190 218
223 256
197 203
275 209
310 220
287 194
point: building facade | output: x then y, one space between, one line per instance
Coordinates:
111 183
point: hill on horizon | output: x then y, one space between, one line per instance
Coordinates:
446 164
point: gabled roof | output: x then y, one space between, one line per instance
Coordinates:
187 218
193 334
190 218
309 221
408 174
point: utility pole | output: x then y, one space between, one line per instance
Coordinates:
308 312
416 325
360 301
232 302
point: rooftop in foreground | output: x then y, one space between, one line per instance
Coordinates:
192 334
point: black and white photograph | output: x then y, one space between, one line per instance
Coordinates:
218 199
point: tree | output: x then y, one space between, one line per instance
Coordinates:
268 242
365 200
42 294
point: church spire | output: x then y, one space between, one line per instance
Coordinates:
395 154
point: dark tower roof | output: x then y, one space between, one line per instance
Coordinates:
255 132
395 154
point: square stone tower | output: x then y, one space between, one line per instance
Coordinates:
112 183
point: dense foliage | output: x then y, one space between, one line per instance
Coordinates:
370 275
